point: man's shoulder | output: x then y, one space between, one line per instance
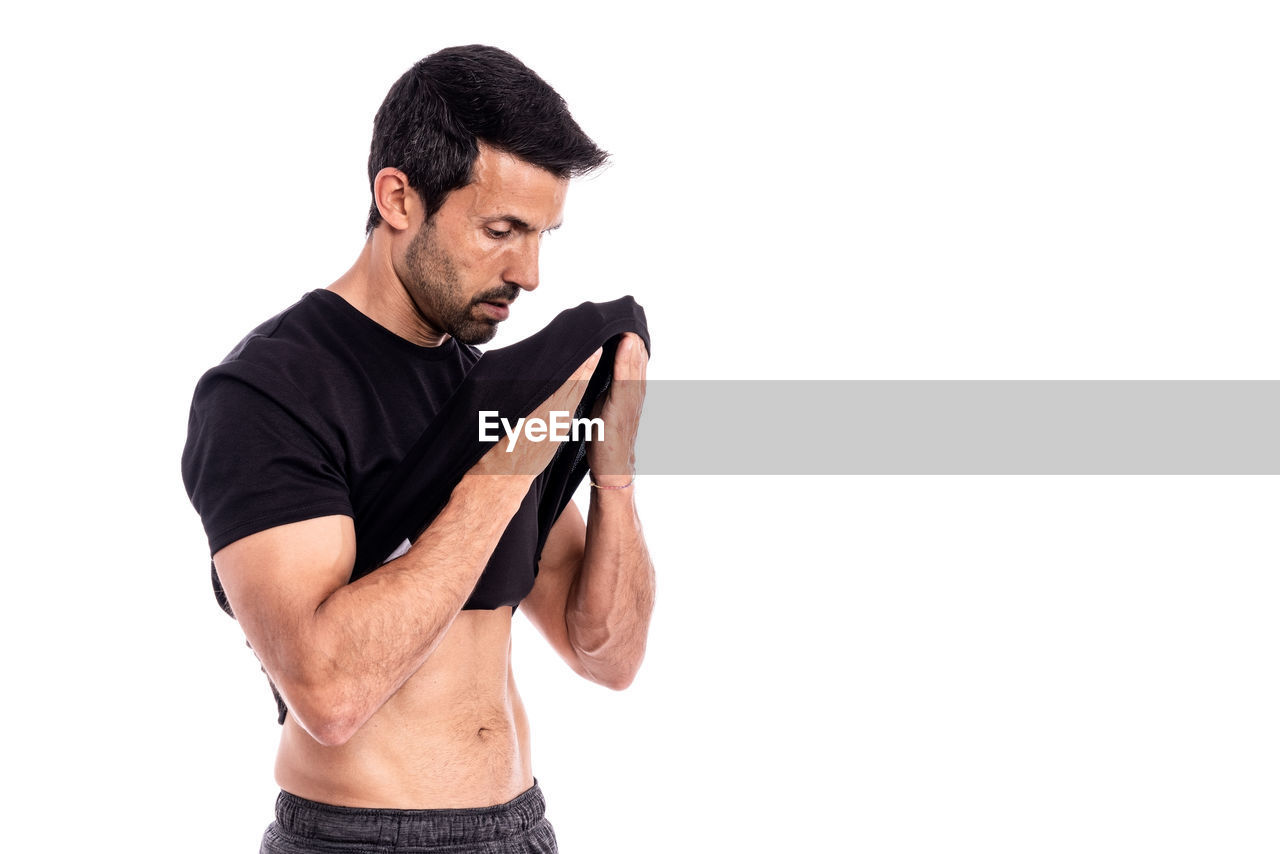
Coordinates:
309 347
276 361
322 355
296 332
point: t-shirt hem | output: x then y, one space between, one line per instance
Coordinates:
240 530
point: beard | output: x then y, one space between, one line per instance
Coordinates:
434 285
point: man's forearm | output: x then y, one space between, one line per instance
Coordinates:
370 636
611 600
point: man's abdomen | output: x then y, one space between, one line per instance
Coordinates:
454 735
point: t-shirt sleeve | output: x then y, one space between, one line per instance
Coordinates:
258 456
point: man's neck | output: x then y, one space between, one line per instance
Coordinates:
374 289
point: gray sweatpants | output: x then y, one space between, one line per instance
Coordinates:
305 827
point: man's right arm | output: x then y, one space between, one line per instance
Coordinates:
337 651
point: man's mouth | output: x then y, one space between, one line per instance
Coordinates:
497 310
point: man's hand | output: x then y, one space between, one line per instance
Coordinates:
595 588
529 458
613 460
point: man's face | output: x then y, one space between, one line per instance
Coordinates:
468 262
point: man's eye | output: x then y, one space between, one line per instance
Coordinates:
496 234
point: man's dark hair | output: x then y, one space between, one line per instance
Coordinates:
437 113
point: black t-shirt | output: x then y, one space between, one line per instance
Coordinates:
311 413
322 411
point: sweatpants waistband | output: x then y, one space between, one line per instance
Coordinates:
394 827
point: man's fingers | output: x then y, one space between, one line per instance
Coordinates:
569 395
630 360
576 386
589 366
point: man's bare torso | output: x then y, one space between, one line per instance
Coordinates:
454 735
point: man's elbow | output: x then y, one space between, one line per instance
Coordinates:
619 681
330 731
614 675
607 658
324 713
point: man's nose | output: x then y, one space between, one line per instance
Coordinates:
522 271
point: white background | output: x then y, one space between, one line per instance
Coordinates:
904 190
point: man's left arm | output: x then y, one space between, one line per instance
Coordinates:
595 588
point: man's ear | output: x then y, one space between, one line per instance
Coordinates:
394 197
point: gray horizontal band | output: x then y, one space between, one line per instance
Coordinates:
961 427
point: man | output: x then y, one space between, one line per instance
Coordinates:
402 723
